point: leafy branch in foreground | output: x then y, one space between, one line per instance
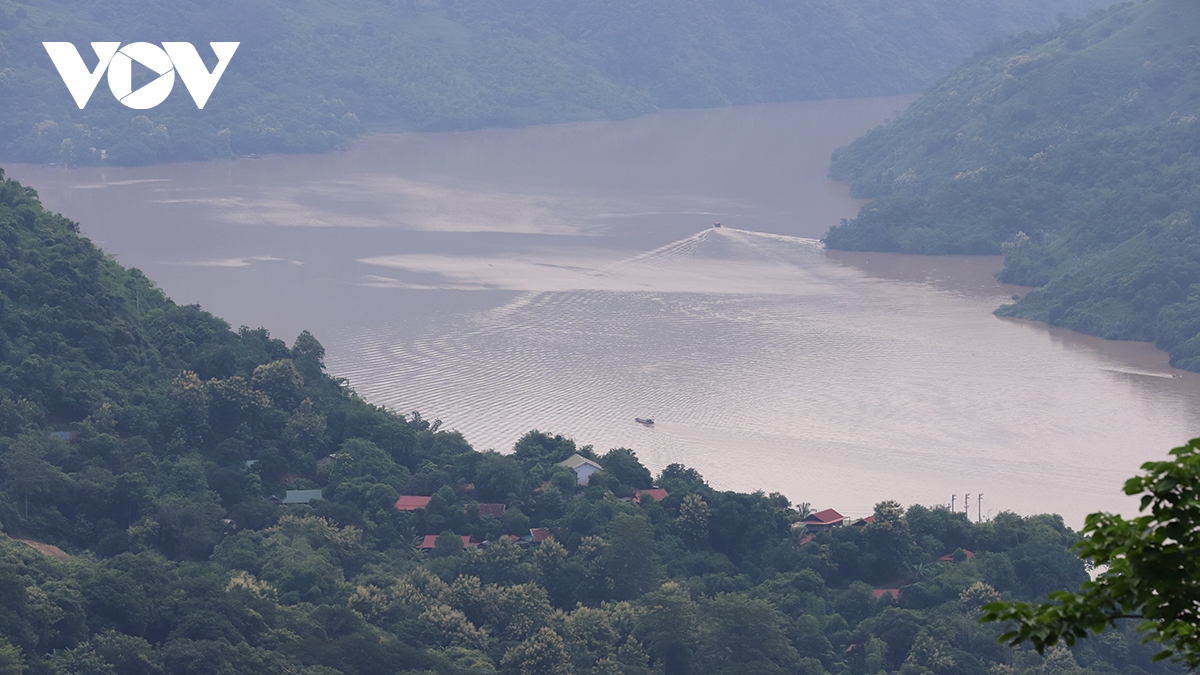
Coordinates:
1153 570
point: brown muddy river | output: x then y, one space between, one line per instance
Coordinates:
568 278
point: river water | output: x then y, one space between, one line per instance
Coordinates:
569 278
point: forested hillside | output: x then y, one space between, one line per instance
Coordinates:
313 73
1076 154
144 447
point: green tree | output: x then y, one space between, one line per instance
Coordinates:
873 661
898 628
186 527
189 413
624 465
450 627
536 448
281 381
740 633
930 654
497 477
543 653
589 635
447 544
523 610
692 522
305 430
1152 570
360 458
889 545
668 626
28 474
308 556
550 562
679 478
11 660
232 402
629 560
308 355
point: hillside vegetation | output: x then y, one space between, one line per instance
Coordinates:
312 73
141 443
1076 154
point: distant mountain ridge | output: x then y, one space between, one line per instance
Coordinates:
1076 154
311 74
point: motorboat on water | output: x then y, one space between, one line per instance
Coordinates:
644 420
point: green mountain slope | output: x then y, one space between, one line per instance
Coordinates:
146 542
1076 154
311 74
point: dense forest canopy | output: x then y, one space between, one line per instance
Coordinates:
1076 154
311 74
145 446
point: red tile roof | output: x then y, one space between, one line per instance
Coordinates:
949 557
878 593
411 502
862 522
806 538
429 542
658 494
826 516
539 534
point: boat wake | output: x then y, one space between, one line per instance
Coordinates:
715 260
1143 373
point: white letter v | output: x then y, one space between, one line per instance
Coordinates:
199 82
74 72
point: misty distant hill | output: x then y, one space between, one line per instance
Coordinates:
1076 154
311 74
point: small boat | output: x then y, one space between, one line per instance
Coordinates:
716 224
644 420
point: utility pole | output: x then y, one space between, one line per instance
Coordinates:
967 505
979 509
952 499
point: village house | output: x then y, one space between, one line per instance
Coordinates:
429 542
300 497
411 502
820 521
657 494
536 535
582 466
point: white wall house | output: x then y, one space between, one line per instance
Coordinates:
582 466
